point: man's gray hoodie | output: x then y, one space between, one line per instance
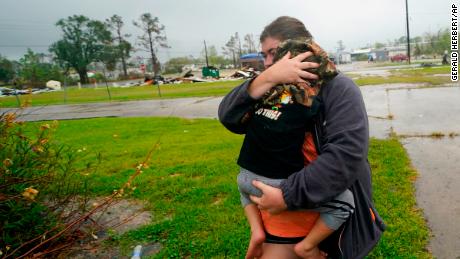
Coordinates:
341 135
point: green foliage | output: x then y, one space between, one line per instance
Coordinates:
109 56
379 45
191 186
361 57
430 44
99 77
232 48
34 72
174 65
83 42
411 76
425 71
437 42
6 70
36 180
214 59
123 48
417 50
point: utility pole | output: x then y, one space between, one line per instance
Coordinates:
239 42
408 35
206 54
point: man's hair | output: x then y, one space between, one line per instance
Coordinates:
284 28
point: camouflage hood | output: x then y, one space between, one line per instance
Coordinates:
302 93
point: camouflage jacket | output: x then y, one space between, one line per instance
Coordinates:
301 93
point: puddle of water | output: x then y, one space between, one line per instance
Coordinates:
424 111
415 111
376 100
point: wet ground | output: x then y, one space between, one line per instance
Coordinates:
412 111
438 189
204 107
428 120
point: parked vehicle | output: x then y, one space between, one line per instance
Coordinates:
399 58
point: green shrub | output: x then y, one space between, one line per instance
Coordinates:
37 182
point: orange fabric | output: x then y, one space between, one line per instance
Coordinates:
372 214
289 223
309 149
294 223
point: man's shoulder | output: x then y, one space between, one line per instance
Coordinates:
340 85
342 80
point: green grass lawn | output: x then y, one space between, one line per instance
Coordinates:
85 95
413 61
408 75
191 190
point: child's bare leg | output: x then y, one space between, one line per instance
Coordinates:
308 247
277 251
257 231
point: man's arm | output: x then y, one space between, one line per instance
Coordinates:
234 106
241 99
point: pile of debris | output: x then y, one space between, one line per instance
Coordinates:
185 77
188 77
245 73
5 91
50 87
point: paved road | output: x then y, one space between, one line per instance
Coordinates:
416 112
204 107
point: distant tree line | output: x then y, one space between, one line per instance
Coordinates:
84 42
428 44
231 52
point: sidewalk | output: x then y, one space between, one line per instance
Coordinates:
419 115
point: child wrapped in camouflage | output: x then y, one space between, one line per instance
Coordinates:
303 93
272 150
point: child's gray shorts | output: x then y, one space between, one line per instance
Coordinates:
333 213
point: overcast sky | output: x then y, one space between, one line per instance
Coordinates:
31 23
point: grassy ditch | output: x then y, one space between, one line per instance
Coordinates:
190 185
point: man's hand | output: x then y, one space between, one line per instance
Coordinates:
292 70
287 70
271 200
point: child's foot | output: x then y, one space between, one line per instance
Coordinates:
309 253
255 245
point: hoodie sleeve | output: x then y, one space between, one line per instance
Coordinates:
343 148
234 106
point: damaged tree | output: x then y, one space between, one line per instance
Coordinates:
81 44
233 48
152 38
249 44
123 48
